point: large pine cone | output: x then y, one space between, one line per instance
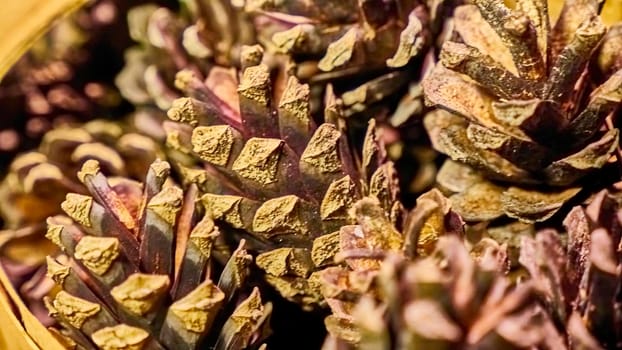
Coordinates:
273 176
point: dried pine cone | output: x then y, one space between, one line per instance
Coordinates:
580 279
448 301
364 44
38 181
271 176
521 107
138 273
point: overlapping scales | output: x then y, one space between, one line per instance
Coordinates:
517 102
138 270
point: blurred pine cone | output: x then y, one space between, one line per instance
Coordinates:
139 270
362 248
38 181
448 300
521 107
191 39
579 276
65 77
363 47
35 178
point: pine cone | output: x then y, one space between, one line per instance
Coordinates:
39 180
363 247
361 46
580 280
521 107
138 272
271 176
448 300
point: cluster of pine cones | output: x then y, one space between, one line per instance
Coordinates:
352 174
